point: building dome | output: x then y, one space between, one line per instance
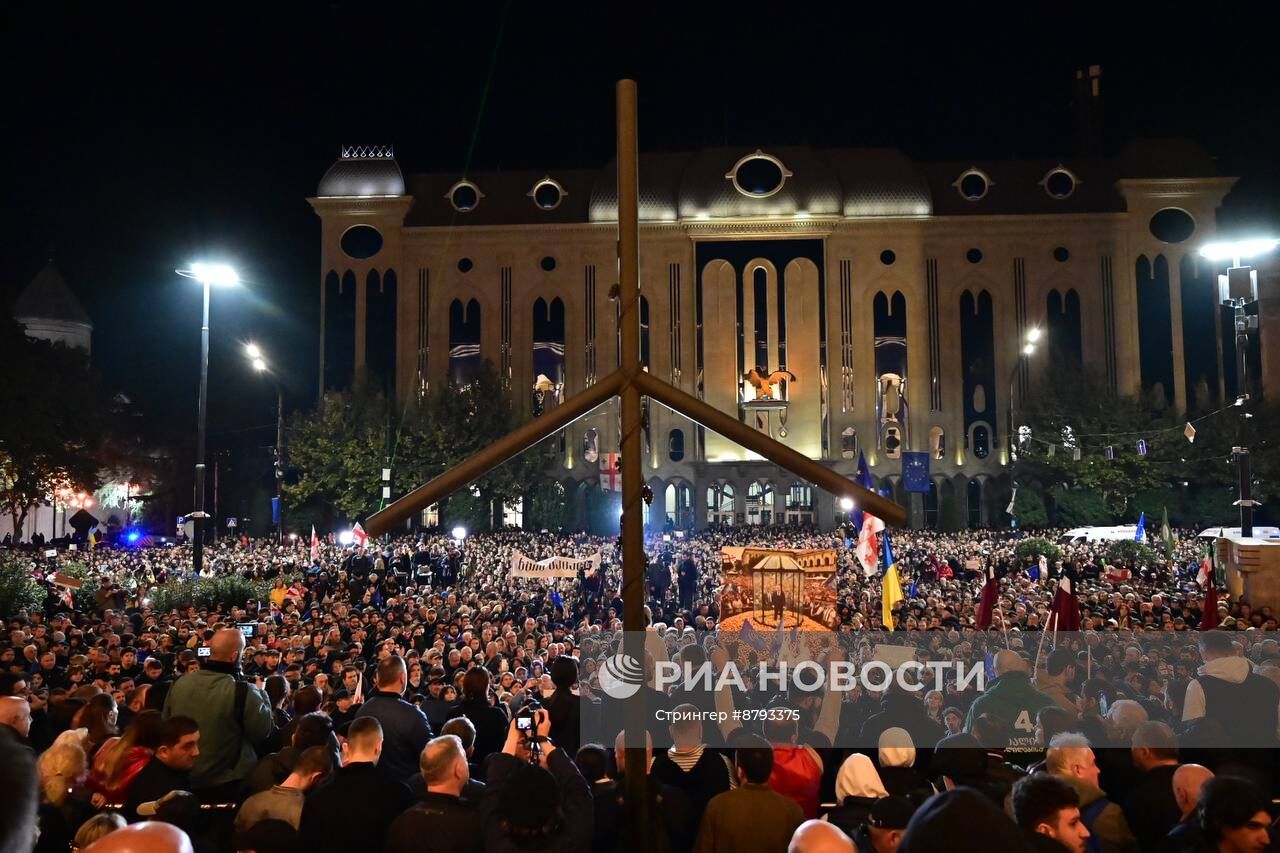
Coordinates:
362 171
48 310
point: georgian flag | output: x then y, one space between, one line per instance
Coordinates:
868 550
315 546
358 537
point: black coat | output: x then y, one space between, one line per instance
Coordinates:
439 822
491 726
353 811
1150 808
576 805
405 731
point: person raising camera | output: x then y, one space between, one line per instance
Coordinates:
537 800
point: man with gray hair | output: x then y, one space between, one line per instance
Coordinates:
442 816
1070 757
1150 806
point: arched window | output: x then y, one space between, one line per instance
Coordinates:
591 446
464 341
974 503
675 445
727 497
800 497
548 354
937 442
981 441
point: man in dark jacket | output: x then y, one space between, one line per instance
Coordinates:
354 810
547 806
903 710
1150 807
1011 698
442 816
405 728
169 768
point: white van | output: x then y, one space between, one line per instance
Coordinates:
1084 535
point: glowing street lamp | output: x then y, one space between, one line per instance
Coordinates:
459 533
846 504
1030 340
258 360
1237 289
210 276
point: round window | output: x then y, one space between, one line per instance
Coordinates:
464 196
547 194
758 175
548 263
465 265
887 257
1172 225
1061 254
1059 183
361 241
973 185
973 256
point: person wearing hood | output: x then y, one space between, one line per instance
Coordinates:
1070 757
858 787
1011 698
1226 690
897 757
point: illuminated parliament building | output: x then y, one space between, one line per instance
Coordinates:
839 299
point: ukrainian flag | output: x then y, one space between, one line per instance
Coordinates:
890 586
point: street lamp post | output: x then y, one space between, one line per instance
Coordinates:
209 276
1237 289
1028 349
254 353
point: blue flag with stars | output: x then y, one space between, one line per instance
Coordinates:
862 478
1142 527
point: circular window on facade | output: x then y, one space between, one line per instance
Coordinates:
973 184
1059 183
887 257
547 194
464 196
548 263
465 265
1172 225
1061 254
361 241
758 175
973 256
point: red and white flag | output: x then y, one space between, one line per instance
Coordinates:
358 536
315 545
610 472
1065 610
868 550
1205 577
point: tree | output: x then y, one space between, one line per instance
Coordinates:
1029 509
547 506
1079 508
18 587
53 425
1071 409
338 451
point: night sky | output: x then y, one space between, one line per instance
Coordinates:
139 141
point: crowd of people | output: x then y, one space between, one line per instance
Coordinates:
413 695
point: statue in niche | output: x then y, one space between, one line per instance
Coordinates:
764 384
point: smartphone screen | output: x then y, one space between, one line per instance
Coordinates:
524 724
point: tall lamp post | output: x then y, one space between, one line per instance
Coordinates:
1028 350
1236 290
209 276
256 358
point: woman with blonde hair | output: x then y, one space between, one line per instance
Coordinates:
62 769
96 827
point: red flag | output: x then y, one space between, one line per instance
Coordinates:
1209 612
1066 608
987 606
315 545
358 536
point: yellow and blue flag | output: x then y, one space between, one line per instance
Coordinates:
890 587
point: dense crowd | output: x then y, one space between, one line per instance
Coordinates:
413 695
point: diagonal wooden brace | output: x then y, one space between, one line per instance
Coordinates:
478 464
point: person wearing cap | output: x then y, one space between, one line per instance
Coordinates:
547 805
885 824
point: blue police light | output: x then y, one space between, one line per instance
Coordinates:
132 536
